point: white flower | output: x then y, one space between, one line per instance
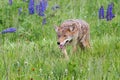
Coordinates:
26 63
40 70
66 71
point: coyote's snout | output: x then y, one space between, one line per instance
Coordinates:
74 32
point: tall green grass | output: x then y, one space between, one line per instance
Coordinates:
32 53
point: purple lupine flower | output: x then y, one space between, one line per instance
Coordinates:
19 11
101 12
9 30
44 21
10 2
109 14
31 7
41 7
45 2
38 10
55 7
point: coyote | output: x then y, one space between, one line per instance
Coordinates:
74 32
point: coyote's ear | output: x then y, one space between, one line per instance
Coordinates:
72 27
56 28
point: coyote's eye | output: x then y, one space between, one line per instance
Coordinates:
64 35
67 41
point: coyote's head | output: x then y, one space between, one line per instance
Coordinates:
65 35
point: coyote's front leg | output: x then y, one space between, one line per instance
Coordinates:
74 45
65 53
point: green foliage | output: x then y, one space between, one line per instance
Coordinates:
32 52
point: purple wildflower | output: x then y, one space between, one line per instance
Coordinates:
39 11
55 7
45 4
10 2
41 7
110 15
101 12
19 11
9 30
44 21
37 8
31 7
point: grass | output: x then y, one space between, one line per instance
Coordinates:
32 53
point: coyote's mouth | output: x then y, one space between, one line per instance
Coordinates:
61 46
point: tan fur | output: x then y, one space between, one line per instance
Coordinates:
74 32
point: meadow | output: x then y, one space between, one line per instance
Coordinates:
31 53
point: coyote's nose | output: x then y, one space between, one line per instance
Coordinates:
58 43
